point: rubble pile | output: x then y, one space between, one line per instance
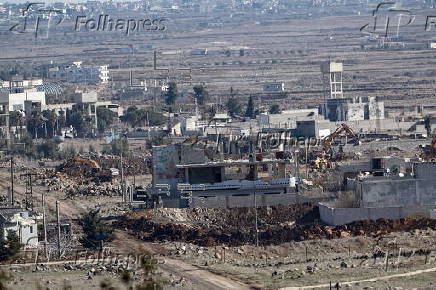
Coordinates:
104 189
228 218
75 169
229 230
52 179
208 227
56 181
131 166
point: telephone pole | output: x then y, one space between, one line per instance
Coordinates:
58 225
44 223
122 177
12 181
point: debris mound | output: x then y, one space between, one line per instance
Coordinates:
235 227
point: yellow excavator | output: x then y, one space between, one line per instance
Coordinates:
323 161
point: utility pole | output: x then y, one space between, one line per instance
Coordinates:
306 145
12 181
122 176
29 190
44 223
255 212
58 225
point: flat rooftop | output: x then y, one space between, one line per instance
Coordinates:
234 163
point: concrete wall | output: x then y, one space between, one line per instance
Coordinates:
396 192
244 201
425 170
388 192
16 100
341 216
383 145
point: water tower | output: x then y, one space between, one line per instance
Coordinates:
332 77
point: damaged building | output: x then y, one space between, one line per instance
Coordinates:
388 193
201 177
353 109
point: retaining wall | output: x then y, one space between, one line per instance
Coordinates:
341 216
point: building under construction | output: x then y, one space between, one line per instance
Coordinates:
339 108
188 176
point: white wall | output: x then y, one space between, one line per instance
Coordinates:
16 101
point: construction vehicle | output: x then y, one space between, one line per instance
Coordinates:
324 157
327 142
98 173
430 150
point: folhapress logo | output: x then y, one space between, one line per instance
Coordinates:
40 19
37 19
105 22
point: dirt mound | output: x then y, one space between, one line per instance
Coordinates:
75 169
208 227
131 166
235 227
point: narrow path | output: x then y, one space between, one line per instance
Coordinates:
407 274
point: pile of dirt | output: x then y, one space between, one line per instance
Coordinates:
207 227
57 181
75 169
231 219
235 227
131 166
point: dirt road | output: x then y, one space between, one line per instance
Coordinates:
408 274
202 279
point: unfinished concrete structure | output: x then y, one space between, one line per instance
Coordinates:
353 109
189 173
332 78
337 108
410 190
394 191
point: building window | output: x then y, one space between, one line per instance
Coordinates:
31 229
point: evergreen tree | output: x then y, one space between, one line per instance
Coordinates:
250 108
200 94
95 229
10 246
233 106
171 94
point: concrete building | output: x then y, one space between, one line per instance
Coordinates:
87 101
339 109
220 120
19 221
409 190
274 87
186 170
13 99
77 73
395 190
317 128
287 119
353 109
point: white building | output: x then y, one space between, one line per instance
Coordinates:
19 221
14 99
77 73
